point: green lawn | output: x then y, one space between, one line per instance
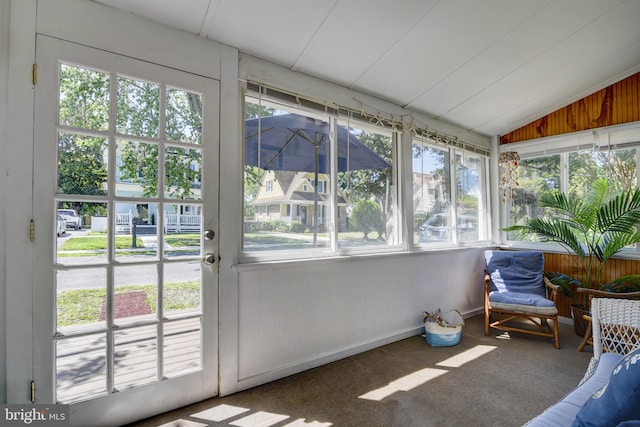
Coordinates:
182 240
80 306
91 243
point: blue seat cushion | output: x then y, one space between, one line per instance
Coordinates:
516 271
526 303
618 400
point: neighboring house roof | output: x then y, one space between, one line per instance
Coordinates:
290 184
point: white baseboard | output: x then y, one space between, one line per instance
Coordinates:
266 377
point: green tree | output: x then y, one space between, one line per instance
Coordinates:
585 167
536 176
369 183
83 103
367 217
81 166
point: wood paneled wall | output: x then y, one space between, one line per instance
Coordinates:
563 263
613 105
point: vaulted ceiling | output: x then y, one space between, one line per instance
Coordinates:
489 66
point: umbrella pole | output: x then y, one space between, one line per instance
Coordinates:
315 196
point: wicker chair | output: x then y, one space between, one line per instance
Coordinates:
616 333
594 293
616 325
516 290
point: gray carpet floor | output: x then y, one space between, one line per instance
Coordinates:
499 380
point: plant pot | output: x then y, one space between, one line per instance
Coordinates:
579 324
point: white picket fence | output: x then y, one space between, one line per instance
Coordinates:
174 223
181 223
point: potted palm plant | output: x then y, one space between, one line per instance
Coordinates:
593 229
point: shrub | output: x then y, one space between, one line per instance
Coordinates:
367 217
297 227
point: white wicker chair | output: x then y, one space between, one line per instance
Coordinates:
616 332
616 325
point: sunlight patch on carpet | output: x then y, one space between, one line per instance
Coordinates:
220 413
406 383
258 419
300 422
467 356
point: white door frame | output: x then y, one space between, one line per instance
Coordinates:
117 407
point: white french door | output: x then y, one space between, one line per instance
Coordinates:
125 307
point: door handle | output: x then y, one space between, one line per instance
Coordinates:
209 258
209 234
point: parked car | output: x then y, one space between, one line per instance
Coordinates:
437 228
71 218
61 226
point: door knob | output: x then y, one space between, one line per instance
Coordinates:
209 234
209 258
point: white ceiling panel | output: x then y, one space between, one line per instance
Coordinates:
451 34
276 30
550 77
359 43
516 49
487 65
186 15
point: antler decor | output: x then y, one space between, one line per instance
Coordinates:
508 163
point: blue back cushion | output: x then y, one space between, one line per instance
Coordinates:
517 271
618 400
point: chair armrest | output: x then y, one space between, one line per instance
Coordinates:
487 281
595 293
552 289
550 285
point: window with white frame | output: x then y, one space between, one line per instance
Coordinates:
449 196
340 195
332 193
571 163
321 186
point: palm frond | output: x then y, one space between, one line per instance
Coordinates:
574 210
594 227
621 213
629 283
613 242
565 282
553 230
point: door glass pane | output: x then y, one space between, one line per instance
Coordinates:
183 179
136 236
137 169
135 356
82 164
82 232
135 293
182 288
182 343
184 116
81 298
81 368
84 98
138 108
183 228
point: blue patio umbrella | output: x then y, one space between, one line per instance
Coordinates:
291 142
